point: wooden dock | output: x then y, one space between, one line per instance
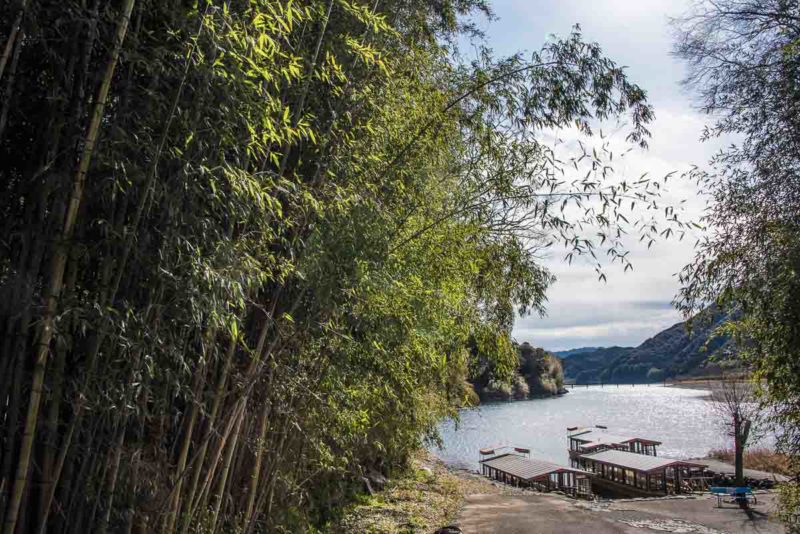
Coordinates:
643 474
515 469
587 440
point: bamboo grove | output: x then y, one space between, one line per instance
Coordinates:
251 249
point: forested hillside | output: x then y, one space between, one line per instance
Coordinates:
675 352
587 367
251 250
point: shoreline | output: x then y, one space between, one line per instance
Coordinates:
693 384
432 495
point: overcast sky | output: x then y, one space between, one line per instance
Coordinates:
633 306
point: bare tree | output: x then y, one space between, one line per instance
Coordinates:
740 415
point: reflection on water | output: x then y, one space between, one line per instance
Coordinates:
680 418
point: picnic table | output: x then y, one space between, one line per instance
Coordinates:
740 494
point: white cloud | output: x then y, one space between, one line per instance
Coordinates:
633 306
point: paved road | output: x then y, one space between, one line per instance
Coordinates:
535 513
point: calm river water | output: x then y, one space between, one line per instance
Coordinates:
680 418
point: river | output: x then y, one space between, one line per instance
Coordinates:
680 418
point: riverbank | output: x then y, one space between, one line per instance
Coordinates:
431 495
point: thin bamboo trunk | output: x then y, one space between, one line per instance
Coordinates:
241 404
238 411
130 513
266 496
201 454
12 38
51 439
113 476
11 430
9 94
223 479
89 468
199 383
256 474
75 102
56 278
98 468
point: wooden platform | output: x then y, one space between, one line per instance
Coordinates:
643 474
515 469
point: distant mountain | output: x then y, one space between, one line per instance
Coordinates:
587 367
675 352
572 352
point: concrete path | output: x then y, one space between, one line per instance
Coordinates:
535 513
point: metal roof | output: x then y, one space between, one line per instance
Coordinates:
526 468
637 462
595 437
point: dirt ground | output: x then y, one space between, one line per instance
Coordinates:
534 513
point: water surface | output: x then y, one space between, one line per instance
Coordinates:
680 418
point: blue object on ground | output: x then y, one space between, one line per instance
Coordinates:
741 494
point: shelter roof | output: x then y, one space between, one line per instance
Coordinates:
527 468
637 462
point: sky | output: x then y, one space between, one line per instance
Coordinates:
630 307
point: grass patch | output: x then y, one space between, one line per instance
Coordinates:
428 496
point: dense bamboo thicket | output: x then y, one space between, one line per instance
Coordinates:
250 248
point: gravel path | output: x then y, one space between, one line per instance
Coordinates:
535 513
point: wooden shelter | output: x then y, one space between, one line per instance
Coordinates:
589 440
513 468
635 474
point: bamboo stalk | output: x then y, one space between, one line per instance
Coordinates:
12 37
256 474
8 97
238 411
223 479
113 476
215 407
11 430
199 382
51 438
57 275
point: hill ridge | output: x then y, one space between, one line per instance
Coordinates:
676 351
